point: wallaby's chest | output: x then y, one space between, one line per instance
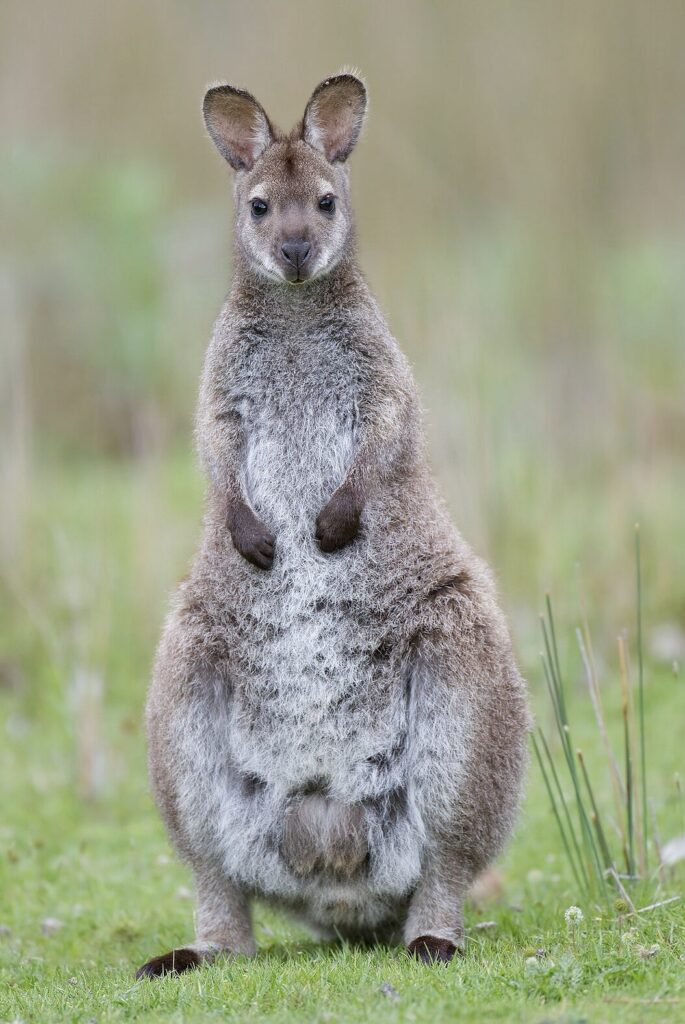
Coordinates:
297 398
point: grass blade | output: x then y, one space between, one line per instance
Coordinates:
597 821
595 697
555 650
562 831
625 712
567 813
641 694
587 832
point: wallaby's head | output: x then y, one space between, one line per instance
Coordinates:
293 220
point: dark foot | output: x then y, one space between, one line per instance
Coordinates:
251 537
430 950
338 523
175 962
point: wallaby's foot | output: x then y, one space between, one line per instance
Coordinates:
251 537
431 950
223 929
174 962
338 523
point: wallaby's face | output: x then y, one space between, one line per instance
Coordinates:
293 220
292 212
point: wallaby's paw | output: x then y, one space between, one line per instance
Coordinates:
259 551
430 950
338 523
174 962
251 538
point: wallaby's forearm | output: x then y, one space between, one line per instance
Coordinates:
221 444
388 430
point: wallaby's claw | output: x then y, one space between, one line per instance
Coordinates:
258 550
338 523
251 538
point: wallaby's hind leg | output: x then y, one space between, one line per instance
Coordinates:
223 928
468 743
434 929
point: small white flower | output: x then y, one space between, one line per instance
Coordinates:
573 916
50 925
537 965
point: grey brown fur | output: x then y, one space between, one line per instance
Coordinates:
336 722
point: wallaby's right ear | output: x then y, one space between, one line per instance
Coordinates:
334 116
237 124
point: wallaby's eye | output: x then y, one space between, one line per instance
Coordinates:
259 207
327 204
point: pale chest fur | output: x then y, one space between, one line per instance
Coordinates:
312 699
297 398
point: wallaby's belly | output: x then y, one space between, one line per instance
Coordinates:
318 810
318 721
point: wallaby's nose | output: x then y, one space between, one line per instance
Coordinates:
296 253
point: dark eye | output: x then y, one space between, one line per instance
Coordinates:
259 207
327 204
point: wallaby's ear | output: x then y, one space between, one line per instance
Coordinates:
334 116
237 124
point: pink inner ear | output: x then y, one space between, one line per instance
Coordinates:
239 127
333 121
247 148
337 142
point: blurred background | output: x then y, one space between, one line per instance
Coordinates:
521 207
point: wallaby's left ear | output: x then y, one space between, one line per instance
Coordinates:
334 116
237 124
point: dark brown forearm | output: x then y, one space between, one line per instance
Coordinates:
221 445
384 437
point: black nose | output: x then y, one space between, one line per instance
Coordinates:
296 253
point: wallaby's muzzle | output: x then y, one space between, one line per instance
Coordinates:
295 255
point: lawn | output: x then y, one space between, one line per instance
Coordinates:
89 887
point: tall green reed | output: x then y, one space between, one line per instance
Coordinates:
607 854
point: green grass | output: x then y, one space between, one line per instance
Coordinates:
84 599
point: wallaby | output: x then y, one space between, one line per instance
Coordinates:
336 722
